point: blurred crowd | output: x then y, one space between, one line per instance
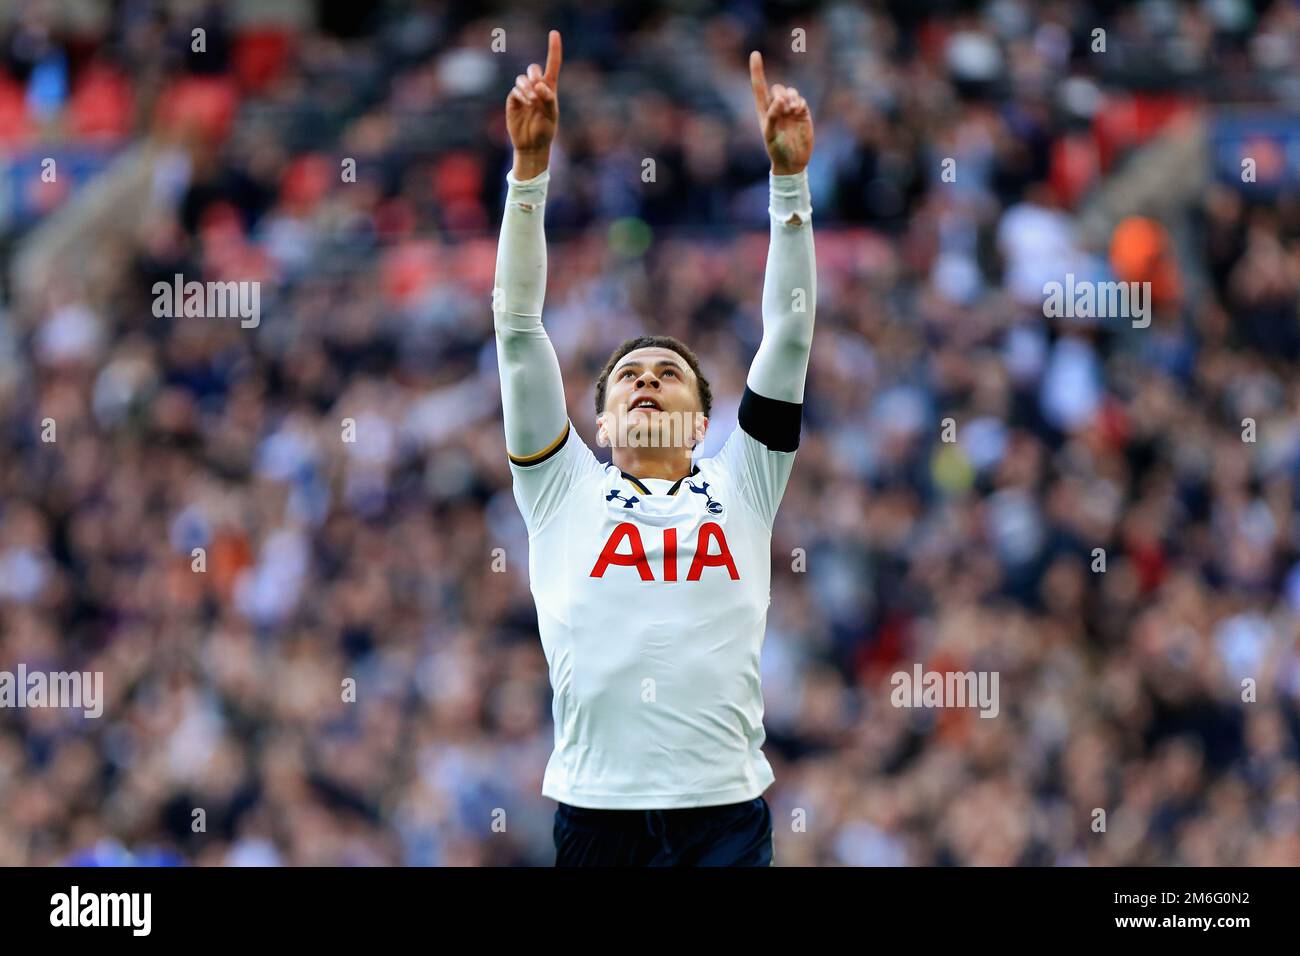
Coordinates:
348 670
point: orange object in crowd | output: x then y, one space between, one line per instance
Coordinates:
1141 251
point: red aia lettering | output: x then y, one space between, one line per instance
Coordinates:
634 560
709 532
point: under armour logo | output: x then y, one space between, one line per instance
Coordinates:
713 507
629 501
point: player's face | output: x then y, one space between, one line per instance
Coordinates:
652 398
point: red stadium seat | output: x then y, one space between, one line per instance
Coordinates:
202 103
101 104
16 127
260 57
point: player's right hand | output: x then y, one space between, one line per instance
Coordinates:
533 106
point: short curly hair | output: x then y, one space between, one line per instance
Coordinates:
655 342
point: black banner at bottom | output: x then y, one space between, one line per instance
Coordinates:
337 906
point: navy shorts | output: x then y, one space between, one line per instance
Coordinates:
735 834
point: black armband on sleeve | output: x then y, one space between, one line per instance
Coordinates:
770 421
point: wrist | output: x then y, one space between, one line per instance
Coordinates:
790 195
530 163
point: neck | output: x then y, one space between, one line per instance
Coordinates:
667 463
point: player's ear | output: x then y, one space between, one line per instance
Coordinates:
602 434
701 427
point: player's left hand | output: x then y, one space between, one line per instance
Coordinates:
784 117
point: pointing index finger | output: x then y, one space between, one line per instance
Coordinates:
758 81
554 54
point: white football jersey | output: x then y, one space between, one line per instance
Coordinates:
652 602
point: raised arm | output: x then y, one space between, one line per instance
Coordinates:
532 392
790 284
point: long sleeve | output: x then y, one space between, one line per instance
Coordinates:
760 453
771 409
532 391
789 294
